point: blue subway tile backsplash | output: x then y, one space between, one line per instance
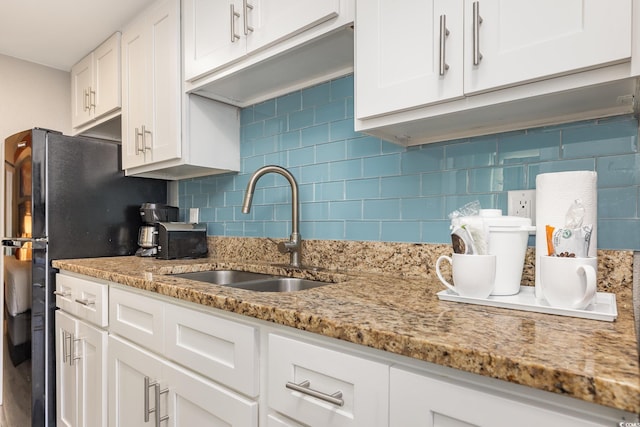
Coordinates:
358 187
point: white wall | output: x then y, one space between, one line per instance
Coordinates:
33 95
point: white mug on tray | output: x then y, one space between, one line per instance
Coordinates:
568 282
473 275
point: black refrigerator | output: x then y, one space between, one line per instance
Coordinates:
65 197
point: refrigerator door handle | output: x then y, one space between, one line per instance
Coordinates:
19 242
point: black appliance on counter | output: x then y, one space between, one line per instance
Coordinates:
178 240
152 214
65 197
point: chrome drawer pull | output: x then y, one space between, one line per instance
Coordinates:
85 301
304 388
62 293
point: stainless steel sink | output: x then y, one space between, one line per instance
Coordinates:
252 281
279 284
222 277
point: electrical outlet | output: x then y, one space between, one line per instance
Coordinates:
194 214
522 203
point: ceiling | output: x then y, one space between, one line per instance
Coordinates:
58 33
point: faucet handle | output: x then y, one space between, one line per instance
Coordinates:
282 246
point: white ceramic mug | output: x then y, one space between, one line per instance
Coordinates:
473 275
568 282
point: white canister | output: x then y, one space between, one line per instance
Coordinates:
508 238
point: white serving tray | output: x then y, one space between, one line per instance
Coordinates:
604 307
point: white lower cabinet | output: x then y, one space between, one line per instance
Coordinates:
163 357
133 374
317 386
81 353
171 363
425 400
81 372
146 389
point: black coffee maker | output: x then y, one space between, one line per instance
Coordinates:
152 214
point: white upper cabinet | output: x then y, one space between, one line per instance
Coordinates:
434 70
245 51
151 87
399 66
207 35
95 85
527 40
269 22
165 133
218 32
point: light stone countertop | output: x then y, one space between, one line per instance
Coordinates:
595 361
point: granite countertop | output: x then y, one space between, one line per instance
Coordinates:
596 361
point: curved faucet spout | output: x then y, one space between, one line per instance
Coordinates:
294 246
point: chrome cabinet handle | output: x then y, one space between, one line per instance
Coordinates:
234 15
146 132
147 384
65 336
85 100
92 99
157 392
246 7
443 35
477 20
62 294
304 388
72 350
85 301
71 354
137 141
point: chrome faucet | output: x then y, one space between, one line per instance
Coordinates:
294 245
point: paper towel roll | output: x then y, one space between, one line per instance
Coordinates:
555 192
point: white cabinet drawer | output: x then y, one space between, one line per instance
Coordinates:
220 349
424 400
137 318
363 385
86 299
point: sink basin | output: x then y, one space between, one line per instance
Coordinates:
251 281
279 284
222 277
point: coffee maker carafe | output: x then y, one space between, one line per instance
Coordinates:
152 214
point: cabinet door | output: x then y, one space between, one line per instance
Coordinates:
208 41
92 375
421 401
128 368
81 82
151 117
363 385
399 47
66 386
106 88
532 39
135 93
164 74
195 401
274 21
